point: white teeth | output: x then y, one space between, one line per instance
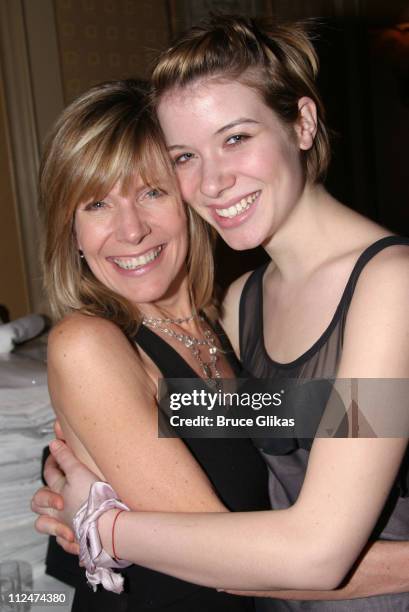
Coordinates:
131 263
238 208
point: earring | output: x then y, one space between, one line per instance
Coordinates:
81 254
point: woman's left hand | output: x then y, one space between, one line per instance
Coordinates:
76 483
68 483
47 502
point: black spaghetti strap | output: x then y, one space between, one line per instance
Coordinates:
363 259
254 281
169 362
252 346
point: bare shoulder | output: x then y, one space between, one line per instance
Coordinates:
91 359
230 310
80 339
377 326
386 274
75 325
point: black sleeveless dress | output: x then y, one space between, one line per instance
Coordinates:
239 477
287 458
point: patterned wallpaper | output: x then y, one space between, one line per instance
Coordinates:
185 13
108 39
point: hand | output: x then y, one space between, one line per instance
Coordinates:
69 477
59 434
46 501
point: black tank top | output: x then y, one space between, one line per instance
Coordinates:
322 358
239 476
287 458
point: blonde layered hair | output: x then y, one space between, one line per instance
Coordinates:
107 135
278 61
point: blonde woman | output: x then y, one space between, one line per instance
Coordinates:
133 297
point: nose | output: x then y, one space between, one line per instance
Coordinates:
216 178
131 225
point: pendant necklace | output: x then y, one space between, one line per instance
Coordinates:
209 368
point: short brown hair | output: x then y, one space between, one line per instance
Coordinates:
103 137
278 61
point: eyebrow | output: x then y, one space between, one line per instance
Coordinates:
234 123
224 128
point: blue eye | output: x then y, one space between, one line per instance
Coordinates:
236 139
154 193
183 159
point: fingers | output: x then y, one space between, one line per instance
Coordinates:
44 499
53 476
65 459
51 526
58 430
69 547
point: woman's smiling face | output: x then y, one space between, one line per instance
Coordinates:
238 166
134 243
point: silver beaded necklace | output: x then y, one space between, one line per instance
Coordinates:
153 320
209 368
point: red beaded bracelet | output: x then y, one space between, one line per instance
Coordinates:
113 535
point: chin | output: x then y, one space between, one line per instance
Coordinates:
146 296
243 242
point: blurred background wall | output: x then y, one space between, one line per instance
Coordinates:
13 286
52 50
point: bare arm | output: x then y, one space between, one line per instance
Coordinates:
106 405
315 543
383 568
300 548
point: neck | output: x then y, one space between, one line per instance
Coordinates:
303 240
175 304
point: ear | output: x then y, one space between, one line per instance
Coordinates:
306 124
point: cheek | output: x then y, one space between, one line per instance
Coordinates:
174 223
281 164
187 183
90 237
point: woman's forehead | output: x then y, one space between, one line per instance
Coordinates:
212 105
219 81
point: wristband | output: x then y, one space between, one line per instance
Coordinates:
114 555
98 564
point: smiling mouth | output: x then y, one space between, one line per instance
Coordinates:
236 209
132 263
